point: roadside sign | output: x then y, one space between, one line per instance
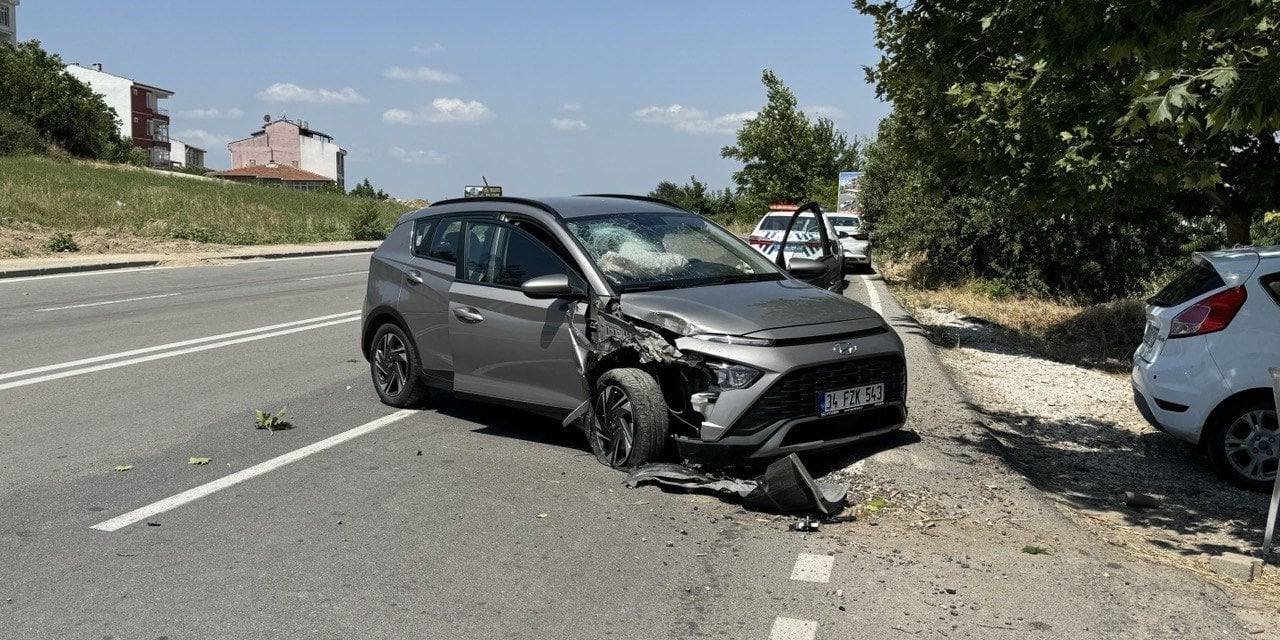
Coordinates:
847 191
477 190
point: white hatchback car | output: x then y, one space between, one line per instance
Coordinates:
1201 371
854 242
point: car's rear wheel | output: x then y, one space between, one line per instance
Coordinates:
628 422
393 362
1245 445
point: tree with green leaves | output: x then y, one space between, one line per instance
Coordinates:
1091 107
365 190
37 90
695 197
787 157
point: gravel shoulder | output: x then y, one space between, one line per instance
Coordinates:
1077 437
964 502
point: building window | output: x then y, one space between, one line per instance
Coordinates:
253 162
151 101
4 16
295 164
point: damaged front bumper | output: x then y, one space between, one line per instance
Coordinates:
778 414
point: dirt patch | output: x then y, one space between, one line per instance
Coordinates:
1076 435
20 239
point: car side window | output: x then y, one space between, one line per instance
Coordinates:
422 236
505 256
1272 283
446 242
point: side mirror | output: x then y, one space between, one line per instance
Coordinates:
804 268
859 236
843 234
552 285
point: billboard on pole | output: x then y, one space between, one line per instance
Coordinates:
847 191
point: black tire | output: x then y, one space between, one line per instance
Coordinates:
1244 444
395 367
627 403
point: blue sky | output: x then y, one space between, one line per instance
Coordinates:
539 97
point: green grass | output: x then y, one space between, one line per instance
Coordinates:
78 196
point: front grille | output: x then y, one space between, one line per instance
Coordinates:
844 425
795 395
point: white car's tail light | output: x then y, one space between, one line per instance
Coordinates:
1211 314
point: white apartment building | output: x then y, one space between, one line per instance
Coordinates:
137 107
9 21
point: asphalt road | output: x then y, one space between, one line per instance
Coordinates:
462 520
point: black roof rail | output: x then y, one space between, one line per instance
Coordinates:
627 196
525 201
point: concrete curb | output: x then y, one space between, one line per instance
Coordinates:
55 269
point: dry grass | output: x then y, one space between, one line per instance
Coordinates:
1099 336
78 196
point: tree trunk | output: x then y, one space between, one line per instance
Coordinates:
1238 222
1238 227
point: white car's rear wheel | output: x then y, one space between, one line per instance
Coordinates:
1245 445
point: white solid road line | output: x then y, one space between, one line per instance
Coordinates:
793 629
873 295
333 275
119 522
171 345
78 274
99 304
169 354
813 568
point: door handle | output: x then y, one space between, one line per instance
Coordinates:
467 314
415 277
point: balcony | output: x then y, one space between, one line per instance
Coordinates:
161 111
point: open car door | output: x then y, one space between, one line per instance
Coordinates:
819 245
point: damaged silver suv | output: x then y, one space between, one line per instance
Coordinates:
643 323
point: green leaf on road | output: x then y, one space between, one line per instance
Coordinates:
875 504
195 460
1034 550
122 467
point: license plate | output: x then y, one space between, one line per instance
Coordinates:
1149 338
792 247
841 400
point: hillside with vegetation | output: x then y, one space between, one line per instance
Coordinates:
48 197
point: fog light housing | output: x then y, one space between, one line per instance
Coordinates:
731 375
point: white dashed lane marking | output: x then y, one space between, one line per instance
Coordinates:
793 629
813 568
99 304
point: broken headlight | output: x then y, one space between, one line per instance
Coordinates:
742 340
732 375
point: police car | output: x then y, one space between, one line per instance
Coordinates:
812 236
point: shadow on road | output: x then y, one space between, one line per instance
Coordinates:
1090 463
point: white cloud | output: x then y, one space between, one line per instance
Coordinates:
206 140
427 49
692 120
572 106
212 113
418 156
568 124
289 92
441 111
425 74
825 111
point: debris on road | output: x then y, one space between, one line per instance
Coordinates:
122 467
541 515
1034 550
197 461
785 487
271 421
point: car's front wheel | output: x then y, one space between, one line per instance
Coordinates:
393 362
628 422
1245 445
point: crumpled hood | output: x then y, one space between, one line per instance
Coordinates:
742 308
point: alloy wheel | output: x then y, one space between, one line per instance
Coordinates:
614 425
1252 445
391 361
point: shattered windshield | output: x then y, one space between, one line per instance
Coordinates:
645 251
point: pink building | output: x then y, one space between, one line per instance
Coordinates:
290 144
